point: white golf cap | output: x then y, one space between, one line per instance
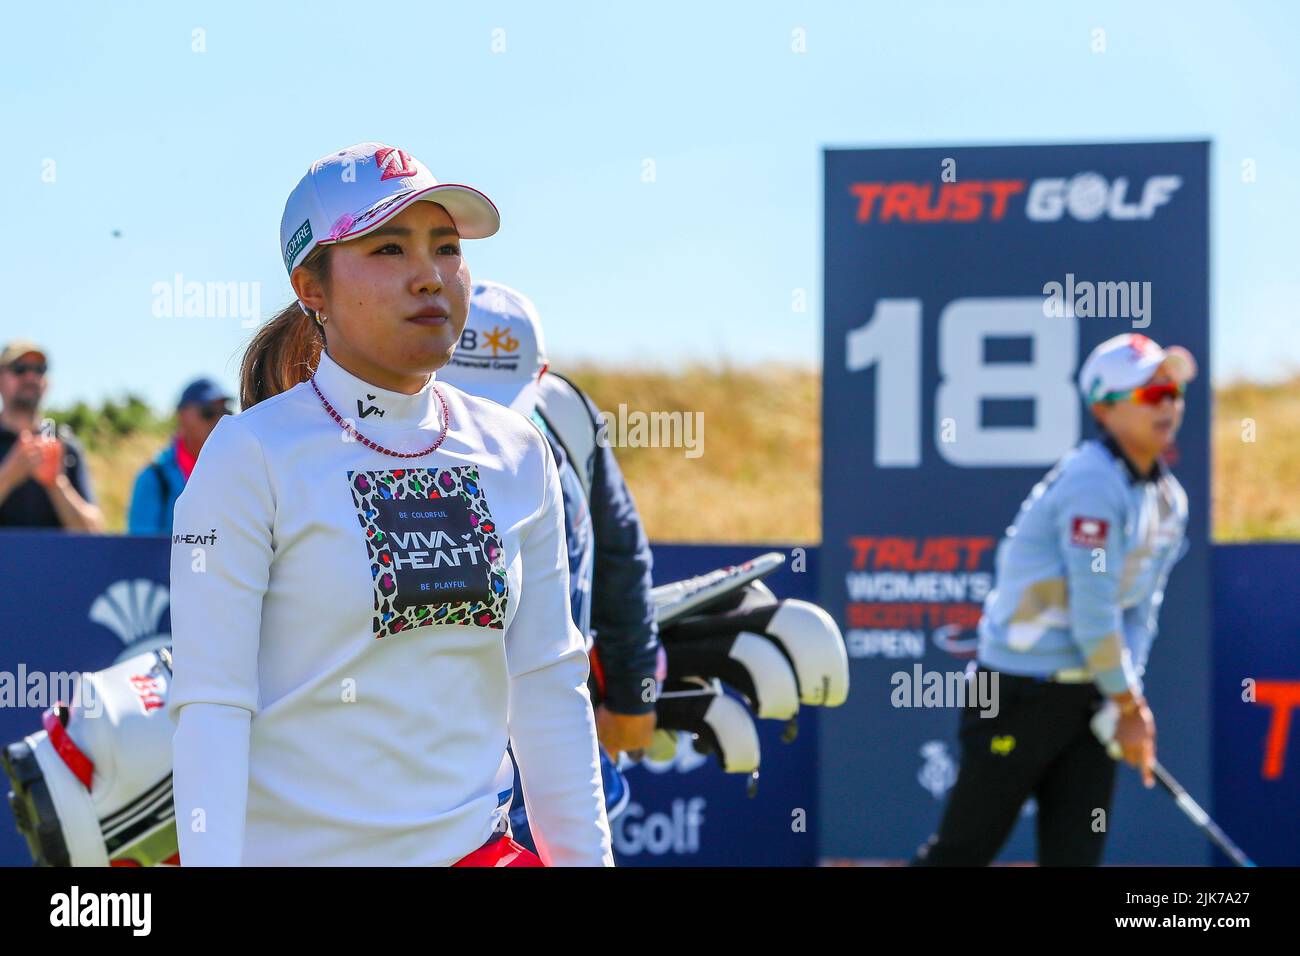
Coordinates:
1129 360
350 193
501 353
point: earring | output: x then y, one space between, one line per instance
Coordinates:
320 320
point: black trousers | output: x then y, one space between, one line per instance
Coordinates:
1040 745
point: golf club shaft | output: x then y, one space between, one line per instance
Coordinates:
1198 816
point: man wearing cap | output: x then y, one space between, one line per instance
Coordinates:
1069 624
501 356
43 478
160 483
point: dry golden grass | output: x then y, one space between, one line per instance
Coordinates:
1256 476
113 467
759 476
762 431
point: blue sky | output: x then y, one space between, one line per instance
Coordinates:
190 155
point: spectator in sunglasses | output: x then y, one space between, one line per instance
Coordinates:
160 482
43 477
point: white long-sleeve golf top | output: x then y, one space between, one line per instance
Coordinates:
357 636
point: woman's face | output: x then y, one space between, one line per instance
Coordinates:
1151 428
396 300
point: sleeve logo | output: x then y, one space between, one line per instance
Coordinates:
1089 532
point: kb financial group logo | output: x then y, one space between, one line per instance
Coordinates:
497 344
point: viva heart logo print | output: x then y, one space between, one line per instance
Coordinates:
435 555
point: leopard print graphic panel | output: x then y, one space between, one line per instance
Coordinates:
428 484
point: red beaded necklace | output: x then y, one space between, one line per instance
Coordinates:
351 429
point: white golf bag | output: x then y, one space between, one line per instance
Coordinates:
94 787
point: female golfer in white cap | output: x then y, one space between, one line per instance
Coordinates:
1067 629
369 575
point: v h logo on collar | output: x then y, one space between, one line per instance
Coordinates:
364 411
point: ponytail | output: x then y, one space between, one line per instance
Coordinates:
286 349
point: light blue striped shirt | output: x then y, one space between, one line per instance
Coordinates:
1081 573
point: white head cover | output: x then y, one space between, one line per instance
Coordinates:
501 353
1129 360
349 193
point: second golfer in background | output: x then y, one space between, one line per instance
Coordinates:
1080 578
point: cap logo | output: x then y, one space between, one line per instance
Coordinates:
1142 345
300 239
395 163
379 208
500 339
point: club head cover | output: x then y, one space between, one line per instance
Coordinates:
807 636
748 663
721 724
812 641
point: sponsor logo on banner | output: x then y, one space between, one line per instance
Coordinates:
938 772
1090 196
906 592
657 834
684 759
1085 197
930 202
1282 697
133 611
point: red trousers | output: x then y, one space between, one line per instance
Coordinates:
500 851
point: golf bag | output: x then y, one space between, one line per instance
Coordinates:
735 652
94 787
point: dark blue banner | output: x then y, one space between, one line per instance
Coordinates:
72 604
1257 699
963 288
687 812
75 603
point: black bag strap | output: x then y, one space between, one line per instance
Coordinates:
162 481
